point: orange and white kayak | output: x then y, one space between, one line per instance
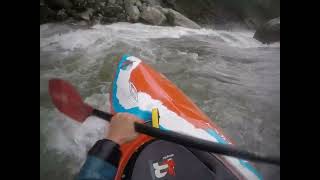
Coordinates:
137 88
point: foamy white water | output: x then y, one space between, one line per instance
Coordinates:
103 36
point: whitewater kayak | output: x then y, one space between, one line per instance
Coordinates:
138 89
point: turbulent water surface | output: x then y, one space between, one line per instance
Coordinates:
233 78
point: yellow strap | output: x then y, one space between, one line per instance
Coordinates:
155 118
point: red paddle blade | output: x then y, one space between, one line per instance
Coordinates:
68 101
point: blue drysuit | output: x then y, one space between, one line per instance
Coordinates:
102 161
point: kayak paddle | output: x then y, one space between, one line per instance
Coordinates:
68 101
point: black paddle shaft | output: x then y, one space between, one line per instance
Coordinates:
189 141
101 114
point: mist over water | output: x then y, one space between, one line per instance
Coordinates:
232 77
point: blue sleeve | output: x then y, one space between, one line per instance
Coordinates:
97 169
102 161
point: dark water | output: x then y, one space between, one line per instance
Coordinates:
234 79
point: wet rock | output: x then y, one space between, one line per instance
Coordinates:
109 11
86 15
119 2
153 16
142 6
95 17
176 19
112 10
165 11
107 20
132 11
138 4
62 15
121 17
269 32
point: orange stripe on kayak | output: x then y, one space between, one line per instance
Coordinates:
149 81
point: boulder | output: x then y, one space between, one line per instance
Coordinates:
142 6
269 32
119 2
96 19
138 4
133 13
165 11
132 10
86 15
62 15
112 10
176 19
129 2
153 16
121 17
107 20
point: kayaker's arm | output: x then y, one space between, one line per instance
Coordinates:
102 161
104 156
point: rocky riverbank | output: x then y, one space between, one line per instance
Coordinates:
250 14
109 11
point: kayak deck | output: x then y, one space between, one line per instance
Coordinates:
137 88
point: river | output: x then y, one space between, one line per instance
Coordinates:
232 77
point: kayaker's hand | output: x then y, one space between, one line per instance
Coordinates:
121 128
